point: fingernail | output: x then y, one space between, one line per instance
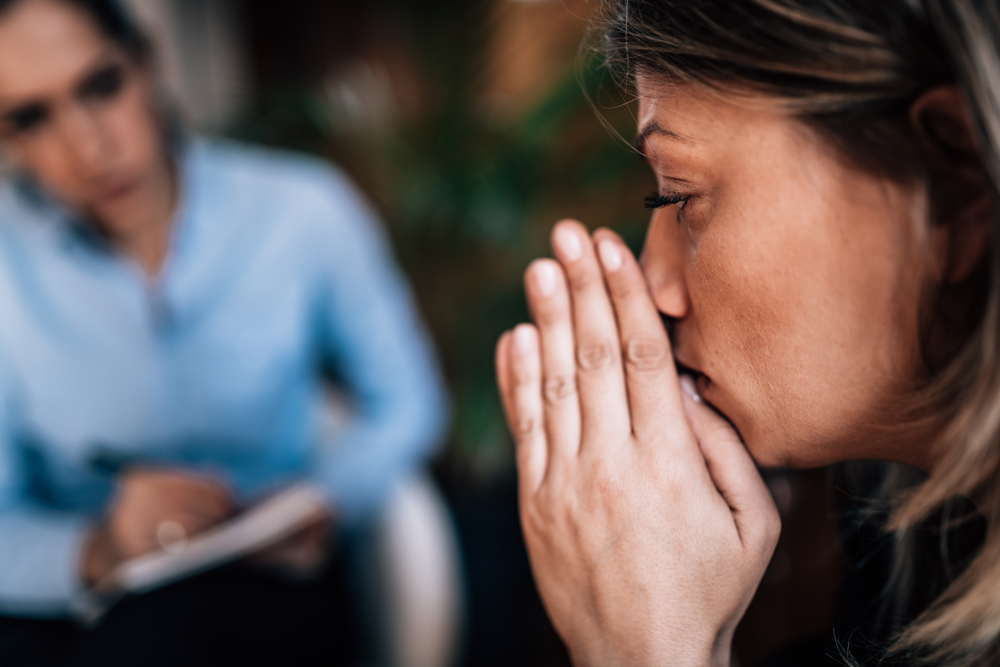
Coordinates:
568 243
687 384
524 339
611 257
545 278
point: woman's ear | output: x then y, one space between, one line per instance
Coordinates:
960 188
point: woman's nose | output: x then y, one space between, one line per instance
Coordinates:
84 140
663 263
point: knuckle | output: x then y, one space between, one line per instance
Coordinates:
583 279
647 354
525 428
571 512
609 482
530 518
537 517
551 314
559 387
593 354
622 289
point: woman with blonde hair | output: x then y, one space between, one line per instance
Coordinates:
819 284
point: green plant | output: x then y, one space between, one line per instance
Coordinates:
469 201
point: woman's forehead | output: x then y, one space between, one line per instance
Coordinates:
45 47
683 112
693 117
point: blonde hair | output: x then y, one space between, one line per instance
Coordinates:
852 70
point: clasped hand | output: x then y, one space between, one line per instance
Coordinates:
646 521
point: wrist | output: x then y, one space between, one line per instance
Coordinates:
674 654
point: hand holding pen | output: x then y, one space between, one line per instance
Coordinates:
153 509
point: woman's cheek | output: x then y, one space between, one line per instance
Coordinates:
752 364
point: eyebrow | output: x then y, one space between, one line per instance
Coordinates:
106 58
653 128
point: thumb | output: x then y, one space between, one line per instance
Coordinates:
732 469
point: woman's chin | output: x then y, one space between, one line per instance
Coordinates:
776 452
766 457
771 450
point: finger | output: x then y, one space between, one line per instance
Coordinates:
205 512
527 413
503 374
600 378
211 498
195 496
548 297
191 487
650 375
733 471
506 381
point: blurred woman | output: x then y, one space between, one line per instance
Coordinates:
822 251
173 305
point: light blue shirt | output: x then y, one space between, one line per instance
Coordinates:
277 273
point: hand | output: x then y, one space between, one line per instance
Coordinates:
647 524
145 501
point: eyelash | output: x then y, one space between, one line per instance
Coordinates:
656 200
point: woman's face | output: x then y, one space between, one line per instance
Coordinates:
75 112
794 279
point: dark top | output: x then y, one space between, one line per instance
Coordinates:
867 617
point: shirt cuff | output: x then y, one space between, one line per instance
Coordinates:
40 564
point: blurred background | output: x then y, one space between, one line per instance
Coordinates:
472 126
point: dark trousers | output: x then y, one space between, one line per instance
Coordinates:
233 615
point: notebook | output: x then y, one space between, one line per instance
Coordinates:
265 524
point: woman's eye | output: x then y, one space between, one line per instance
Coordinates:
27 118
656 200
103 84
